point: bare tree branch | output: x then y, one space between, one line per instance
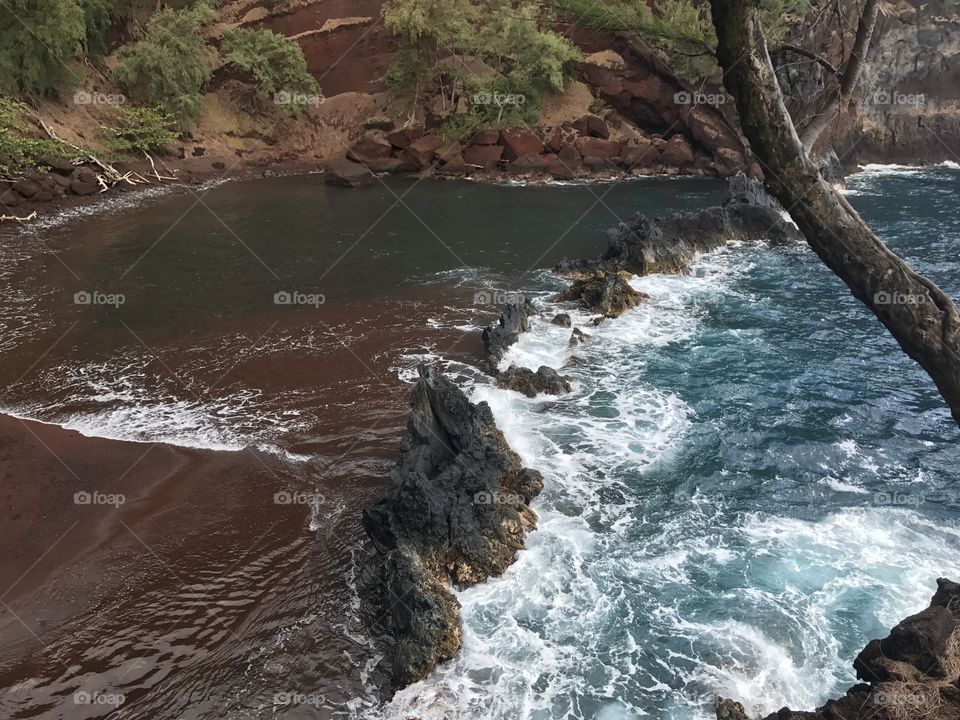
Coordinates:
840 94
808 54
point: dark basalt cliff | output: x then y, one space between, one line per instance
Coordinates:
455 510
912 674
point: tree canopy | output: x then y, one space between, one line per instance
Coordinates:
169 65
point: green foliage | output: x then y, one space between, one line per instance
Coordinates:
522 59
517 40
170 64
432 24
40 38
141 129
682 30
99 16
276 63
18 149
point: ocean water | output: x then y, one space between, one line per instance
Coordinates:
748 482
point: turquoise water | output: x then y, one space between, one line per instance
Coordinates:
749 481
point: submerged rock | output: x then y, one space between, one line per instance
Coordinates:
456 508
514 320
912 673
546 380
605 292
729 710
668 245
578 337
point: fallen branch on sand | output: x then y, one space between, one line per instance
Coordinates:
14 218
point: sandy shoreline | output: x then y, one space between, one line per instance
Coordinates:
72 502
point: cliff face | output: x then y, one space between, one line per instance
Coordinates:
909 110
912 84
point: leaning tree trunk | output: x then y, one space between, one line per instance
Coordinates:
922 318
841 93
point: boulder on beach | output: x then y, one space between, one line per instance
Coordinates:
456 507
523 380
346 173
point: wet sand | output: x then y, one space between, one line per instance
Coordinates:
198 559
69 501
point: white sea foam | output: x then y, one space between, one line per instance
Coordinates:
120 400
889 169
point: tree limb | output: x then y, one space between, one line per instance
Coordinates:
839 95
808 54
921 317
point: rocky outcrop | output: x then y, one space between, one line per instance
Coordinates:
608 293
913 673
456 509
729 710
523 380
668 245
561 319
514 320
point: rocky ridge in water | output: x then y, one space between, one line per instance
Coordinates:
514 320
913 673
668 245
455 510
